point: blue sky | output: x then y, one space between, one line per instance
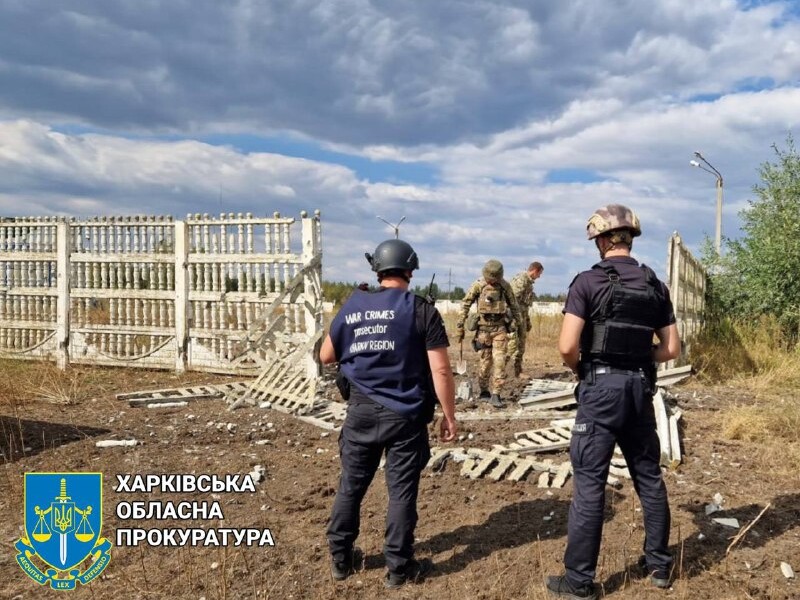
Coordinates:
496 127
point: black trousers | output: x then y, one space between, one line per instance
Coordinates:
369 431
614 408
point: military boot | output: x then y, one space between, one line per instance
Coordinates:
341 570
659 579
559 586
496 401
484 396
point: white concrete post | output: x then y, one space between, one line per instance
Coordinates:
311 302
62 287
181 295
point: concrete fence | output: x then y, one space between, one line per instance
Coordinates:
150 291
537 308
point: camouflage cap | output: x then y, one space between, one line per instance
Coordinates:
493 269
610 218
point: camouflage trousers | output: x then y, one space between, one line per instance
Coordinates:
516 346
492 358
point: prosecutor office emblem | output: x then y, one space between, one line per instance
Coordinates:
63 518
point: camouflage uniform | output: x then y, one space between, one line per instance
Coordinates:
522 286
493 330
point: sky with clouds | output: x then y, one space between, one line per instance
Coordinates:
496 127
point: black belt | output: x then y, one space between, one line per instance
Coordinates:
595 370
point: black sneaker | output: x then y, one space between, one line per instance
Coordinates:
659 579
496 401
484 395
558 585
342 570
416 571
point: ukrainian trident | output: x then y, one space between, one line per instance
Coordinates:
63 517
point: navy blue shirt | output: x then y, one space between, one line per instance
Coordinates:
381 340
588 289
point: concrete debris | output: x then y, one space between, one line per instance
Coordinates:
116 443
712 507
180 404
464 391
787 570
727 522
701 536
257 474
541 394
718 499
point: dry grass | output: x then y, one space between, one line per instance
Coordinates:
58 387
753 357
753 352
17 375
769 419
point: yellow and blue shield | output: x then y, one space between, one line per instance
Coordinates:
63 518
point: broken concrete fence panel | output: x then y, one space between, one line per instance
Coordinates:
674 440
561 475
662 427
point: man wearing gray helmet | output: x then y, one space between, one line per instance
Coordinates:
391 347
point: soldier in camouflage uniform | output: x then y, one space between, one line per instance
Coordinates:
522 286
498 315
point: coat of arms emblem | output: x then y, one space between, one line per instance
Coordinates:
63 517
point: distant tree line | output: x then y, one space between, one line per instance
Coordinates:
338 291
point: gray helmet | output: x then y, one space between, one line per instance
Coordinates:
493 269
393 254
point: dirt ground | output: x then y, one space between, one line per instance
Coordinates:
489 540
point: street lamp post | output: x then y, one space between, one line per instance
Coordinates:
711 169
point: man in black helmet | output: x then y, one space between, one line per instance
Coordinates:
391 347
611 314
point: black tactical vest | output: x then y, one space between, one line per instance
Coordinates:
621 335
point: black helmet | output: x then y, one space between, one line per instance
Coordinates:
393 254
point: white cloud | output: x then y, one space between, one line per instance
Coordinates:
495 96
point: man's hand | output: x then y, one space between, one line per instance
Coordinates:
447 429
459 332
